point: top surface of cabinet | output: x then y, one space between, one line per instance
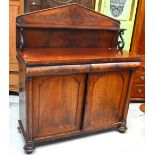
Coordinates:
61 56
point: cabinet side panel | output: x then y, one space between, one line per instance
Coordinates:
22 96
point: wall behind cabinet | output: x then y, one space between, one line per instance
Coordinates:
122 10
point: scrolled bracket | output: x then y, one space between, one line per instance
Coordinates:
121 43
21 42
19 20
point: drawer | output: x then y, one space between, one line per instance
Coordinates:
138 91
139 78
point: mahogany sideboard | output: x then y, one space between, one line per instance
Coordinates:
74 77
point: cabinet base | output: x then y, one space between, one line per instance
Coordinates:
30 145
122 128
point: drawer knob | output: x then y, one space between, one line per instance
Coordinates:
142 78
35 3
139 91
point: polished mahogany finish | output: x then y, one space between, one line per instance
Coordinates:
60 56
74 80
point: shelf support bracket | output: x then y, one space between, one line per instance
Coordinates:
21 42
121 43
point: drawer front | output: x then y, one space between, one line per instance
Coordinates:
139 78
138 91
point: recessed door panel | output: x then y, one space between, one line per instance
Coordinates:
58 104
106 94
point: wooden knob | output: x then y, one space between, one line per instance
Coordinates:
35 2
142 78
139 91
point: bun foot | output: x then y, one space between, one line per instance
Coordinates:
122 127
29 147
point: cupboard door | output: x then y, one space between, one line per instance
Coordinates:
106 95
58 104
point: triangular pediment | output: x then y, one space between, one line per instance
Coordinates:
71 15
